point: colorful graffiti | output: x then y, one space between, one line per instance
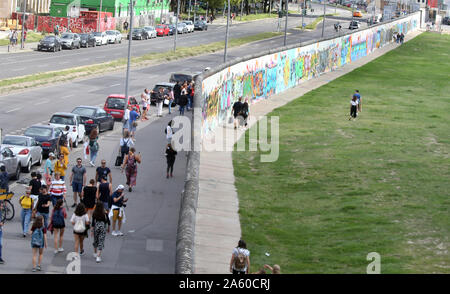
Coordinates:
77 25
261 77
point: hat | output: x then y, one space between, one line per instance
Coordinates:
120 187
51 154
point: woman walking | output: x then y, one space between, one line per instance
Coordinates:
80 222
240 259
144 104
170 156
353 107
88 197
99 221
57 225
48 168
104 192
93 145
130 165
27 204
169 132
125 143
38 241
245 111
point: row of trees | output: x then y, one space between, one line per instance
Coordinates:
214 5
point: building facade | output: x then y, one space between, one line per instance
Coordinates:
7 7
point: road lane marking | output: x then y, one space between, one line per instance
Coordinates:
42 102
115 85
67 96
13 109
19 69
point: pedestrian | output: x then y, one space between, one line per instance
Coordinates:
125 26
1 232
93 145
126 119
57 225
170 157
353 107
134 115
43 204
77 180
104 192
88 197
27 204
159 96
358 99
245 111
177 92
236 111
4 180
48 168
117 212
169 131
25 35
144 106
103 171
275 269
402 38
14 38
56 30
80 222
171 99
58 189
125 143
10 37
60 166
130 165
38 241
100 220
398 38
183 100
190 95
240 259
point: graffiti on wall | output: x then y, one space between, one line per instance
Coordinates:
264 76
77 25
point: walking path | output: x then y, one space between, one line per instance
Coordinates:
217 229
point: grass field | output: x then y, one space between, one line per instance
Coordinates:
31 37
341 189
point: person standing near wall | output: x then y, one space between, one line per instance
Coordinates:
236 111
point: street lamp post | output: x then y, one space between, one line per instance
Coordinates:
22 45
226 35
286 23
242 9
279 18
129 53
98 22
176 27
323 25
303 14
195 9
189 17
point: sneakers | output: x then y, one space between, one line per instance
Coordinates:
114 233
33 269
2 261
98 259
167 176
24 235
119 233
82 252
90 162
56 251
171 175
61 249
38 268
95 255
130 189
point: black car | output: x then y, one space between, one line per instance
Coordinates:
171 29
139 34
446 20
354 25
200 25
93 117
49 43
87 40
47 137
181 77
168 87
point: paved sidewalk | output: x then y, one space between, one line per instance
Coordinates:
217 229
29 47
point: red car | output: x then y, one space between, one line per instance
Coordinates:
162 30
115 105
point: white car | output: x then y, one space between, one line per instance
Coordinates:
111 37
100 38
26 149
73 121
151 31
190 26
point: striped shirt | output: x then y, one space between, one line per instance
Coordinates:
58 188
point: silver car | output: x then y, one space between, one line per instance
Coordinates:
151 31
26 149
11 163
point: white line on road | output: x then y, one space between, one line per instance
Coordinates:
67 96
19 69
13 109
115 85
64 62
42 102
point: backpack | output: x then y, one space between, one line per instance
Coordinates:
240 260
80 226
124 148
58 218
37 238
63 139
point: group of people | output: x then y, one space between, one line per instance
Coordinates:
184 95
355 105
399 38
240 261
13 36
240 112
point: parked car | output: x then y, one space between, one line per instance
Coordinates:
446 21
93 117
46 136
182 28
113 37
26 149
63 119
49 43
353 25
357 13
151 31
115 105
138 34
167 88
189 25
11 163
181 77
118 36
70 41
171 29
200 25
162 30
100 38
87 40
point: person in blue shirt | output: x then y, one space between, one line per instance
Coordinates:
134 115
358 98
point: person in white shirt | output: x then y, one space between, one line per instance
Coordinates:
353 107
144 104
126 119
240 259
169 132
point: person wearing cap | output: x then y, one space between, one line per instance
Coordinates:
117 212
48 168
27 204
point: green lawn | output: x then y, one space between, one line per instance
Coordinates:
341 189
31 37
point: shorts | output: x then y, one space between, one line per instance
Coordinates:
35 246
77 187
59 227
144 108
116 215
106 205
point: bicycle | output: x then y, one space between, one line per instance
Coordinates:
7 208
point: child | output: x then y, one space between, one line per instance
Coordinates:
57 225
38 241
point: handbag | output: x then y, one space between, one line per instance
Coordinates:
119 160
166 101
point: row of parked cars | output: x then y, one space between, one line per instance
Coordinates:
184 27
18 153
76 41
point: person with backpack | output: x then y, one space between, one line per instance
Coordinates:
130 166
88 197
27 204
38 241
99 222
57 225
170 157
104 193
64 140
237 111
240 259
125 143
93 145
80 222
117 212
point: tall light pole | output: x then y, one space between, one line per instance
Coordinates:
242 9
195 9
303 13
206 15
98 22
162 8
176 27
323 25
279 17
189 17
130 38
226 35
286 23
22 45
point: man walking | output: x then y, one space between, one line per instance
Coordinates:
57 189
236 111
159 100
117 212
77 180
103 172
